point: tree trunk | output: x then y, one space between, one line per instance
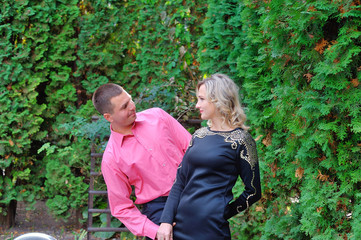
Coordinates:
8 220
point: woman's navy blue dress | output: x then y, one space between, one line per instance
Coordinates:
199 202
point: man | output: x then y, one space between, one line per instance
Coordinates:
143 151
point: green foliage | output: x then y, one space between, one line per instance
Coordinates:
21 114
54 54
301 88
114 223
219 45
297 63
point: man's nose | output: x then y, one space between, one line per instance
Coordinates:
132 105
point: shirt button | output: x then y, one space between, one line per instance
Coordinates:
163 164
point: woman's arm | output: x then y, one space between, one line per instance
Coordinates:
248 169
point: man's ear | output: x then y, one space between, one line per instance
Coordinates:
108 117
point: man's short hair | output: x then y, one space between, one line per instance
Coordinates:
101 97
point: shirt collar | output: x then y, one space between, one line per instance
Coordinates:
120 137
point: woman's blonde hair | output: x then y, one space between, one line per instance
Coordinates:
223 93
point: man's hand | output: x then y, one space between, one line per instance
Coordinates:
165 232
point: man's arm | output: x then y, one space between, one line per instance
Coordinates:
121 206
180 134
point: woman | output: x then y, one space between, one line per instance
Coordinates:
199 203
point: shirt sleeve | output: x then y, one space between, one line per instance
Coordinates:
180 134
248 169
121 206
170 208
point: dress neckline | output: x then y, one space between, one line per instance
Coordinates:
216 131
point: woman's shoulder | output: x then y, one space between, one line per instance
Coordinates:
249 144
236 134
241 134
200 132
244 137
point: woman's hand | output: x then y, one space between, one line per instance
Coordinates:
165 232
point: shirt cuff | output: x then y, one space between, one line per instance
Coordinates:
151 229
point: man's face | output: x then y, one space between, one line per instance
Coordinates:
124 112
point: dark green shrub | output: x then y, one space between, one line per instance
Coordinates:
54 54
297 63
302 88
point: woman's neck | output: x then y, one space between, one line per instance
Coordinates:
219 125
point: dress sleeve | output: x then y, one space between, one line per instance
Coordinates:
170 208
121 206
248 169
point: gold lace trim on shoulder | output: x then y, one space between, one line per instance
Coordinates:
235 138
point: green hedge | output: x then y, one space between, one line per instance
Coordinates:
297 63
53 55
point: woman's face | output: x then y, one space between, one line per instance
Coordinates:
206 108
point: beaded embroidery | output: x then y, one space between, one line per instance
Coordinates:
234 138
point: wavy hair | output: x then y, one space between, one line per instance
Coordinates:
223 93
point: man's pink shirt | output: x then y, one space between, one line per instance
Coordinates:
147 160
